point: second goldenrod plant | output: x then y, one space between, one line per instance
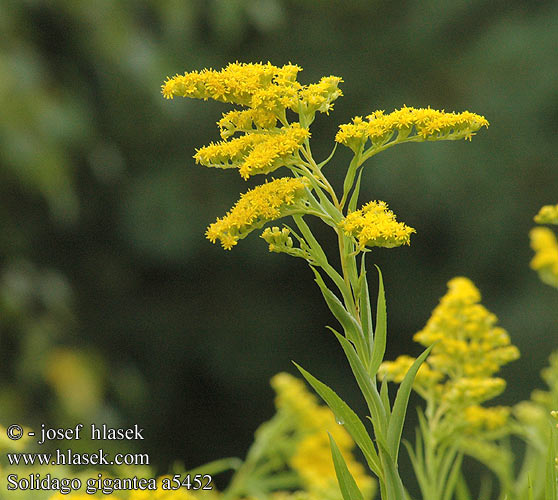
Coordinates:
270 130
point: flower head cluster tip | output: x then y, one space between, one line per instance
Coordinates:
255 153
375 225
469 349
267 92
427 124
256 207
545 261
547 215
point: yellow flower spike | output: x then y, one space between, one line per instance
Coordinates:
428 124
236 84
320 96
244 121
545 261
547 215
275 151
256 207
466 391
228 154
255 153
375 225
469 343
486 419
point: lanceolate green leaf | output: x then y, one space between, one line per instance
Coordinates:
354 196
384 394
352 423
367 387
395 427
347 484
379 348
350 326
394 486
364 306
452 478
317 250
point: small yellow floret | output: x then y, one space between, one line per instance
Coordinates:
547 215
375 225
545 261
260 205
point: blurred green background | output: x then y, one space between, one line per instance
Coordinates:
114 307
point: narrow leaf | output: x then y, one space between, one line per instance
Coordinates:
350 326
317 250
452 479
347 484
418 467
381 329
354 196
395 427
367 387
351 421
394 486
384 394
365 310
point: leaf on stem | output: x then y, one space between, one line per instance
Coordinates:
347 483
367 387
349 324
351 421
395 427
380 334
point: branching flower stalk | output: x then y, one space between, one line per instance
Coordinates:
271 130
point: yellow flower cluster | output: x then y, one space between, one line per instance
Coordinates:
545 245
312 457
255 153
260 205
428 124
268 92
469 349
376 226
244 84
545 261
486 419
547 215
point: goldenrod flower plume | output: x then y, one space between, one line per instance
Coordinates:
545 261
426 123
469 349
376 226
238 83
255 153
256 207
547 215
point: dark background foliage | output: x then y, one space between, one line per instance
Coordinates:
116 309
